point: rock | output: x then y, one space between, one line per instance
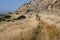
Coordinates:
40 5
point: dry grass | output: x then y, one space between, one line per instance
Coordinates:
31 29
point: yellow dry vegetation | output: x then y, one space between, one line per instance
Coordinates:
41 27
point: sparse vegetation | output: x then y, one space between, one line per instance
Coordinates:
21 17
10 12
7 17
1 19
8 20
38 25
1 30
17 13
28 10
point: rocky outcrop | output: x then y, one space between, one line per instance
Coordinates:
39 5
55 5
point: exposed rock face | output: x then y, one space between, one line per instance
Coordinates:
55 5
40 5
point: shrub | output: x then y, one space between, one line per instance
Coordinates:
8 20
1 19
10 12
7 17
21 17
28 10
17 13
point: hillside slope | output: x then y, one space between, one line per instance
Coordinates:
36 20
35 27
37 6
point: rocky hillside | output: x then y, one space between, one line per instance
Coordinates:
36 20
39 5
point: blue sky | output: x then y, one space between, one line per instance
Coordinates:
10 5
